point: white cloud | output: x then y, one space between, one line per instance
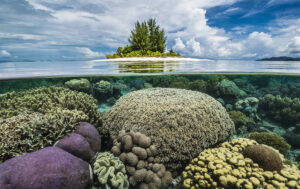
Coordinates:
88 53
5 53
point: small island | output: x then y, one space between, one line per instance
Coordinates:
146 40
280 58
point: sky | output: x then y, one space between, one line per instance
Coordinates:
52 30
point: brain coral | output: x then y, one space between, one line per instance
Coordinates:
226 167
180 122
47 100
29 132
110 171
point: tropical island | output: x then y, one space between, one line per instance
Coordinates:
280 58
147 39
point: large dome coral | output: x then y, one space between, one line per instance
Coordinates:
180 122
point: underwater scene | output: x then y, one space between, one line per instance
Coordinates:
155 131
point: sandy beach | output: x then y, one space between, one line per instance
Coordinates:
138 59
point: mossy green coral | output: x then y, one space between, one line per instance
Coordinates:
30 131
284 110
271 139
226 167
46 100
110 171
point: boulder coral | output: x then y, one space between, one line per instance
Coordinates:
50 167
180 122
226 167
30 131
271 139
82 85
110 171
140 157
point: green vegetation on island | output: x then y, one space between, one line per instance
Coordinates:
146 40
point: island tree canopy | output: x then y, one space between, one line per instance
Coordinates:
146 39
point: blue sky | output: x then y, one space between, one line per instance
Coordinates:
89 29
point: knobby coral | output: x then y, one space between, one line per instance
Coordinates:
180 122
227 167
110 171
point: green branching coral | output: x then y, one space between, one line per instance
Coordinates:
271 139
48 100
30 131
241 121
110 171
284 110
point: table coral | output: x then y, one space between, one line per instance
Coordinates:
226 167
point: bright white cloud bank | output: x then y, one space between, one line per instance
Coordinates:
107 23
4 53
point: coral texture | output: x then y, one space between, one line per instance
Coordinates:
271 139
243 124
248 106
82 85
226 167
50 167
284 110
180 122
139 156
229 88
266 158
29 132
47 100
110 171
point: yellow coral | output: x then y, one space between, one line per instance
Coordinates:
226 167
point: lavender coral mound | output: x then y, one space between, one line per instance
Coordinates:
50 167
91 134
180 122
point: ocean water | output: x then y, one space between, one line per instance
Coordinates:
185 107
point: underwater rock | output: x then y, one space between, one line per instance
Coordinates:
248 106
227 88
110 171
266 158
81 85
271 139
91 134
76 145
226 167
140 158
180 122
50 167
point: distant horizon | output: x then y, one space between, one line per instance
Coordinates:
62 30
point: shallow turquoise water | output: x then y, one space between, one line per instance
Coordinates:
77 68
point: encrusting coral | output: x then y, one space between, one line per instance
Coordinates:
110 171
47 100
284 110
180 122
226 167
28 132
271 139
139 156
82 85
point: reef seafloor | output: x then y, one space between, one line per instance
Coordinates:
150 132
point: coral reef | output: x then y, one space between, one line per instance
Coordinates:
110 171
292 138
248 106
90 133
179 82
48 100
271 139
50 167
81 85
226 167
29 132
243 124
227 88
180 122
139 156
284 110
198 85
264 156
103 89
